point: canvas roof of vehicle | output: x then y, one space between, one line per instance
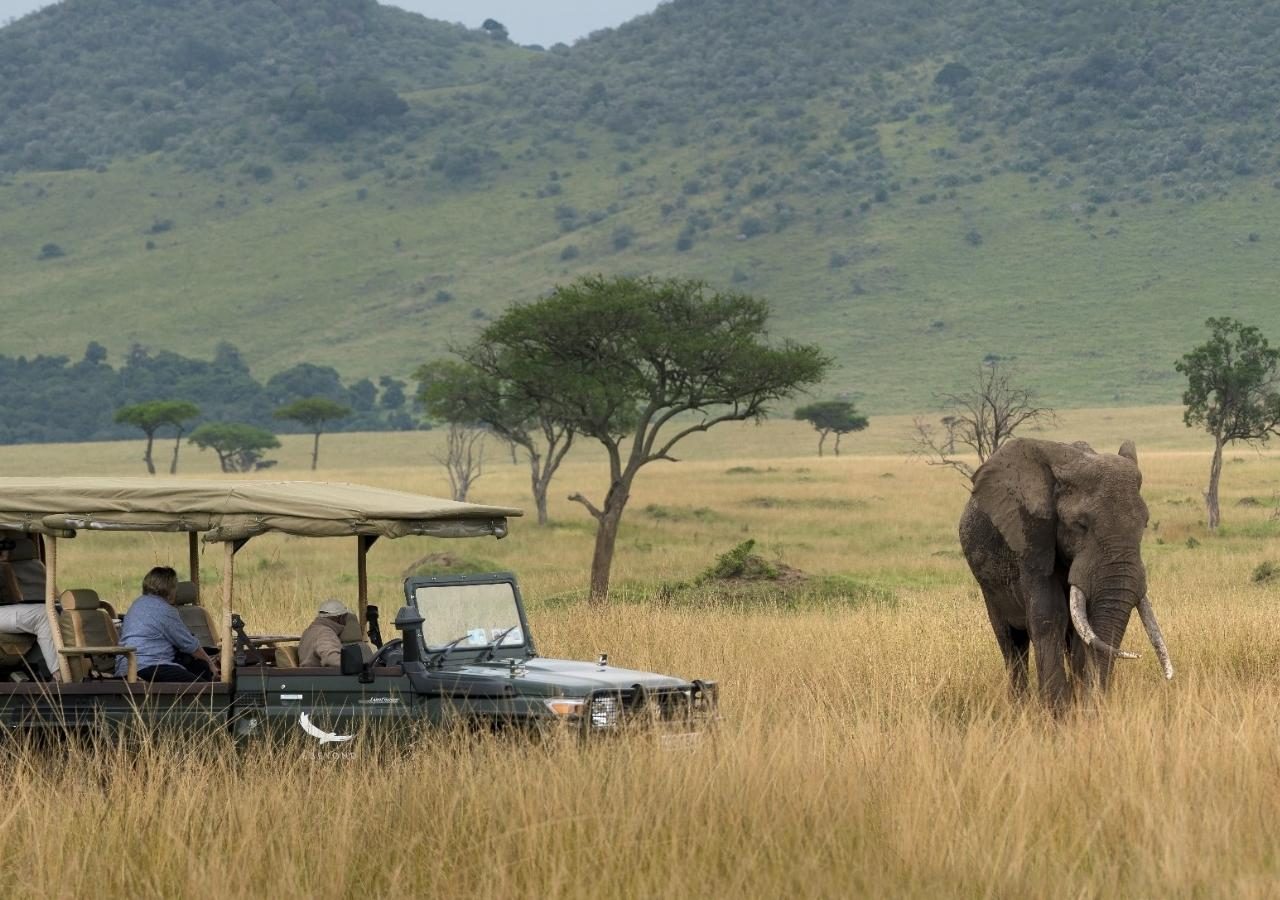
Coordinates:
236 510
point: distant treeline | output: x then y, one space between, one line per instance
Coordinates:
52 399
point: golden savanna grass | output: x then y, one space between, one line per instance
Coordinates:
867 746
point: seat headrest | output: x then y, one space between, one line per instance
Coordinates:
187 594
350 633
24 548
80 598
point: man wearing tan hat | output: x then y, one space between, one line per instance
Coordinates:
321 644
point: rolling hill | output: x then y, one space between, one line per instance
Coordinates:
1072 187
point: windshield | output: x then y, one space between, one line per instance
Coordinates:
476 613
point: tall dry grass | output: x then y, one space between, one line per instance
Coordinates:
867 747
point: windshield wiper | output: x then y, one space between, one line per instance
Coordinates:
492 648
440 655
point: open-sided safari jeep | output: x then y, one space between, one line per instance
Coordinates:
464 648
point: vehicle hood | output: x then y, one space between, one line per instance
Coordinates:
570 676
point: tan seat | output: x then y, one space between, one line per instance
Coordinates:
351 634
198 619
28 568
286 656
89 637
13 647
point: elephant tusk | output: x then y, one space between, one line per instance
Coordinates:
1148 615
1080 619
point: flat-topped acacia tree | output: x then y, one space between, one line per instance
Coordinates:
831 416
153 415
314 413
639 364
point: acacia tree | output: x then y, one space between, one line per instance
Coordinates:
153 415
639 364
1231 391
314 413
470 392
463 458
979 419
831 416
239 447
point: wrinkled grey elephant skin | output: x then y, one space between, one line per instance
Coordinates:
1053 535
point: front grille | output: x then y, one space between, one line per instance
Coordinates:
638 705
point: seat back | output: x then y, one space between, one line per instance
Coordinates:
196 617
351 634
28 567
286 657
85 622
13 647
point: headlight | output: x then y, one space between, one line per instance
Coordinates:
604 712
564 707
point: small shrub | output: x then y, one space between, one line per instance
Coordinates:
1192 543
51 251
740 562
569 253
1265 572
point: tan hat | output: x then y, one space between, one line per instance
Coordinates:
334 607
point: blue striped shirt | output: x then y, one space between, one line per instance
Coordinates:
156 631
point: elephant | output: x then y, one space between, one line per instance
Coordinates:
1052 532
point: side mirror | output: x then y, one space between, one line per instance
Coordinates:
352 660
409 624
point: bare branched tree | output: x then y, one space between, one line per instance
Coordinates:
979 420
463 458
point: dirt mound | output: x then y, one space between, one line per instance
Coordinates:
446 561
740 564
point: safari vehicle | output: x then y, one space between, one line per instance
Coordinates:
464 649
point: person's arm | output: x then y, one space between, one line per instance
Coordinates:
178 634
208 660
329 649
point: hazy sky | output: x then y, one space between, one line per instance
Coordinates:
529 21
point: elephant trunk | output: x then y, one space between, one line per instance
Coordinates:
1112 619
1080 619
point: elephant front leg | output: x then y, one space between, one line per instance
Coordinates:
1049 623
1014 646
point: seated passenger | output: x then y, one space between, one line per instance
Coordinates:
19 615
166 648
321 644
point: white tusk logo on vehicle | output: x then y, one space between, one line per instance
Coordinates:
324 737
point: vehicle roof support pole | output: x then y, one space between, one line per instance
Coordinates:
364 542
193 561
227 658
50 597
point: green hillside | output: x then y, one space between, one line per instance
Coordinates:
1073 187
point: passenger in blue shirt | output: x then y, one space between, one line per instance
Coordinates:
165 647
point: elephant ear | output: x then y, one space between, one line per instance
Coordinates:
1016 489
1129 452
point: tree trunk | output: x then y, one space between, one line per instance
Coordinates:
822 439
146 457
838 443
315 452
173 466
602 558
1211 495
